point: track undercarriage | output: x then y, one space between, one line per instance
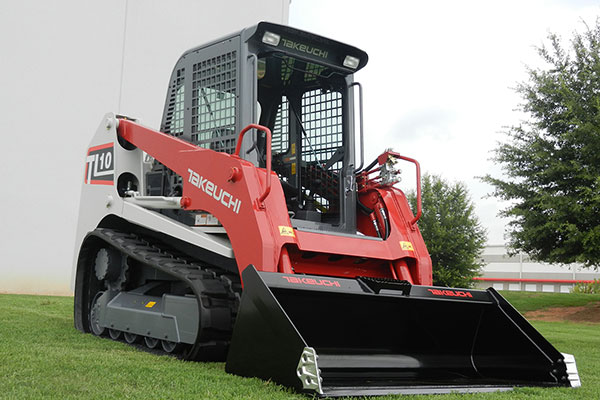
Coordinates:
143 291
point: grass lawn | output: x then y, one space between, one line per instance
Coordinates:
530 301
43 356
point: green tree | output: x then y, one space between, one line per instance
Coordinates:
451 230
551 161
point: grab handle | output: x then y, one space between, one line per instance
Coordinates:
267 131
418 168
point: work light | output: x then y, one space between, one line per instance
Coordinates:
271 38
349 61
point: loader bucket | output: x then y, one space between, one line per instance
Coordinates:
349 337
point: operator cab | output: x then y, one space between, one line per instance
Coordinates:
297 84
305 97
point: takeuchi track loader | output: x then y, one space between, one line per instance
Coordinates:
247 230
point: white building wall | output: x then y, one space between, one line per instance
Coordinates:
518 272
60 71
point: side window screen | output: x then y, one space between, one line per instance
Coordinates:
174 116
215 119
214 103
281 138
177 124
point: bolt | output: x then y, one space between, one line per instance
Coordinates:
234 174
108 124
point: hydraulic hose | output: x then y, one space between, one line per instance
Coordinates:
386 224
364 208
375 224
368 167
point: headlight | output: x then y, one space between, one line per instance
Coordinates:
350 62
271 38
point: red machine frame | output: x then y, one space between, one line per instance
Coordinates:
258 224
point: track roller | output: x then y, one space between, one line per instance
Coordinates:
114 334
171 347
151 343
131 337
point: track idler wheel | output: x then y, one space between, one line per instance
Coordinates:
94 316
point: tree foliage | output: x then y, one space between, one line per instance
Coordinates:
551 161
451 230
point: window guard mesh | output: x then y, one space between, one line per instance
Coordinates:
280 136
175 112
322 120
214 100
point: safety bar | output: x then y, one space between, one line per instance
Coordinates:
238 146
418 168
362 144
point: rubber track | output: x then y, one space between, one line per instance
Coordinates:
215 290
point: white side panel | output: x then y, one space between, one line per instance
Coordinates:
153 220
97 201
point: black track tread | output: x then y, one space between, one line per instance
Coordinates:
216 289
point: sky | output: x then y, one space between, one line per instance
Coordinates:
439 84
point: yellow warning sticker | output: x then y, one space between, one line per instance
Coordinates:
293 148
286 231
406 246
293 168
150 304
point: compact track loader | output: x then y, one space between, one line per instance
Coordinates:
245 230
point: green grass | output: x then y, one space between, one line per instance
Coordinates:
43 356
531 301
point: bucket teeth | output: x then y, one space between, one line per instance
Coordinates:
308 371
572 372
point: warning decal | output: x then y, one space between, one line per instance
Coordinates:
286 231
406 246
